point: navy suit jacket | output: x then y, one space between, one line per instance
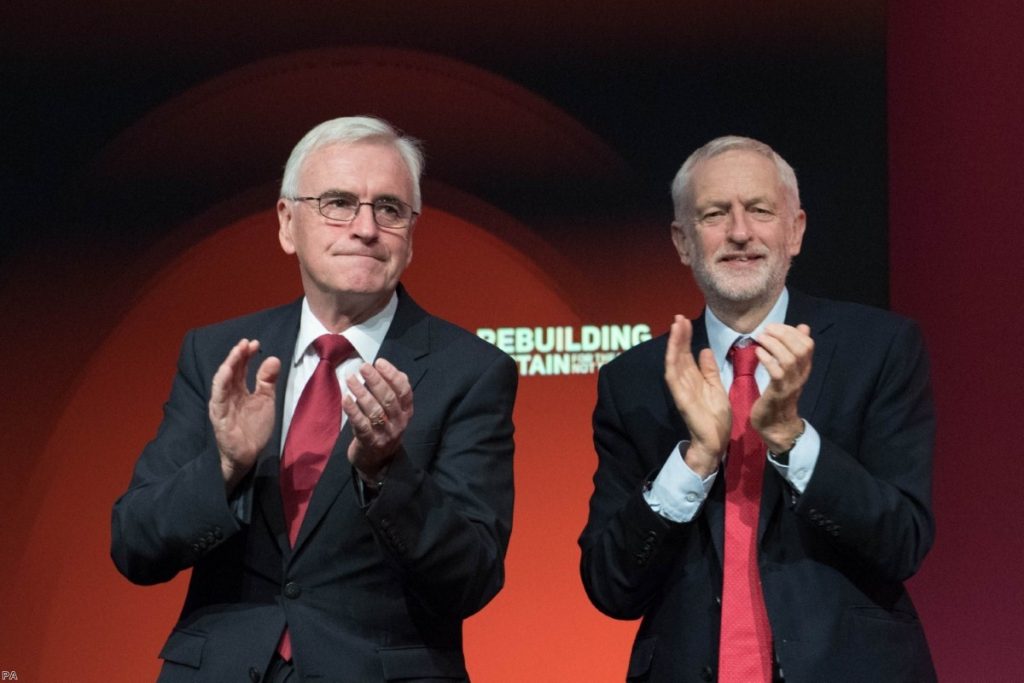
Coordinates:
832 559
369 593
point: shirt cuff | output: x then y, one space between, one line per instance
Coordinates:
678 493
802 459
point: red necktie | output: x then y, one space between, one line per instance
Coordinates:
314 430
745 651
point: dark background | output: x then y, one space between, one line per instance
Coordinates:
903 124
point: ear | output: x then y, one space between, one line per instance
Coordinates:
408 238
682 242
285 218
796 235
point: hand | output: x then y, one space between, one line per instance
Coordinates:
242 420
700 399
786 352
379 411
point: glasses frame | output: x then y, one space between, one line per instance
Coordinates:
359 205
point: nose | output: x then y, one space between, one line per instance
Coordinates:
363 225
738 229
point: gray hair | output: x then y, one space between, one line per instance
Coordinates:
351 129
682 184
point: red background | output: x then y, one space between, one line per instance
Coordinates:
95 313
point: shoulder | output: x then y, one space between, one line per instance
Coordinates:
428 332
456 342
639 363
256 325
852 320
860 336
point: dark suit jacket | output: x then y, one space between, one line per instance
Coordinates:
369 593
832 560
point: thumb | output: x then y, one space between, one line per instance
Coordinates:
266 375
709 368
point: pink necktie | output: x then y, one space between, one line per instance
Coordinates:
745 651
311 437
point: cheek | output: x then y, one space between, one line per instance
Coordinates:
401 254
703 248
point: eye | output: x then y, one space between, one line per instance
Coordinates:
712 217
387 207
761 213
339 201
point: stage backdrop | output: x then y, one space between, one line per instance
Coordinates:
152 144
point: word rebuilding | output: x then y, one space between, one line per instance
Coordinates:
564 349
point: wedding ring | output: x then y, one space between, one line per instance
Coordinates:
379 419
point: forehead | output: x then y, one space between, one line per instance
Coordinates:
739 174
377 167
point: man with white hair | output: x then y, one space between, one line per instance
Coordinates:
764 472
336 472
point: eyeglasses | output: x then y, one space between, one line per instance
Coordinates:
343 207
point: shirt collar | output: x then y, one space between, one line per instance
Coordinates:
721 337
366 337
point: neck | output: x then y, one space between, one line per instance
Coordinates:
338 313
742 316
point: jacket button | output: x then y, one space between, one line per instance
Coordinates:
254 675
292 590
718 601
707 673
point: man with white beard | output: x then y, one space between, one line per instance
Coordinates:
763 485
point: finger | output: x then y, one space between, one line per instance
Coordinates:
356 417
677 353
368 404
359 393
775 369
709 368
786 342
796 339
226 377
380 388
366 436
773 352
398 382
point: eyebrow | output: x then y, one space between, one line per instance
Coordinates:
389 197
721 203
380 197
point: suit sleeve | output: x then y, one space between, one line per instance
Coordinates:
870 493
175 509
444 525
627 548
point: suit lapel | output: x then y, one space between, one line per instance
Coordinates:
813 312
807 310
405 344
277 338
408 339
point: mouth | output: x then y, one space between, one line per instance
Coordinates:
375 257
740 258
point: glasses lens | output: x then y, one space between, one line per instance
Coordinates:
391 213
339 207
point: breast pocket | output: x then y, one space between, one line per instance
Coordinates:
184 647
